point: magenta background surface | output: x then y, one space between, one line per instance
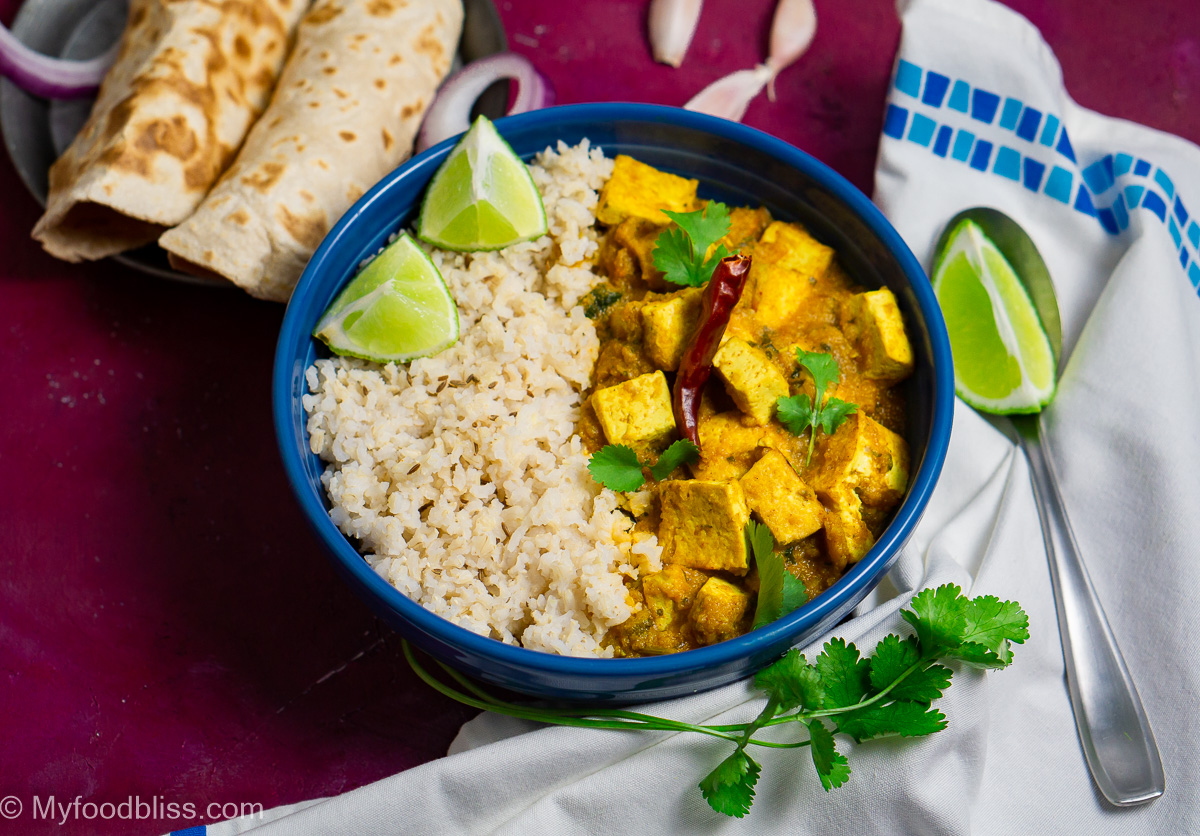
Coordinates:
168 627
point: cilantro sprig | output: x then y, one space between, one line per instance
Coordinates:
841 692
800 412
618 468
680 251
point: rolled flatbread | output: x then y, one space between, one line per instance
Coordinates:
347 106
189 79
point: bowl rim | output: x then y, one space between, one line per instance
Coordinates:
294 335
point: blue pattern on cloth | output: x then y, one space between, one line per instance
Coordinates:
1107 189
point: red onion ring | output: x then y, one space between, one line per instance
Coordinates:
51 78
450 112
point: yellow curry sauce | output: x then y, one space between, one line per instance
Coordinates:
824 515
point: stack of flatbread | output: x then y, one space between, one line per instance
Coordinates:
179 147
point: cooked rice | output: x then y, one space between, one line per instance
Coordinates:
461 475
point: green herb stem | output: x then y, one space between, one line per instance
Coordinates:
947 625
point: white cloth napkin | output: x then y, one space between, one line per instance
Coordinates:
977 115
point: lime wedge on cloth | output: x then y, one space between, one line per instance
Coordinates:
482 198
1003 362
396 309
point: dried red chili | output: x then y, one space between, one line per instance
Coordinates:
720 295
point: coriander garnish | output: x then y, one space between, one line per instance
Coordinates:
617 467
885 694
680 253
800 412
779 591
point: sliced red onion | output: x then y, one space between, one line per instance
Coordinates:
450 113
51 78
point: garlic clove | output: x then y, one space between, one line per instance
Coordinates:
728 97
792 30
672 25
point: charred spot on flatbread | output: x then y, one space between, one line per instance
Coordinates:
307 230
264 177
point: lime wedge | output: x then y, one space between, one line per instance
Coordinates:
482 198
1003 362
396 309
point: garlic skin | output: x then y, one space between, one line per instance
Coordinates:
728 97
672 25
792 30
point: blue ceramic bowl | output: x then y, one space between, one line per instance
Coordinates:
738 165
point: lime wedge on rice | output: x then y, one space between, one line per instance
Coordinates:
396 309
1003 362
482 198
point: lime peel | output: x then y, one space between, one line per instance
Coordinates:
396 309
1003 362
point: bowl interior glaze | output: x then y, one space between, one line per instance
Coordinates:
735 164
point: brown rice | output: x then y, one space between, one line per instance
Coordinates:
460 475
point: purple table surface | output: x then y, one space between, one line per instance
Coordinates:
169 630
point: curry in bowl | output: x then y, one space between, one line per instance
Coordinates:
824 513
464 477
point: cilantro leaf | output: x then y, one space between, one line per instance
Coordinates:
705 226
831 765
907 719
779 591
990 625
893 657
729 788
799 412
991 621
981 656
616 467
795 413
673 256
792 682
833 412
939 616
844 674
923 686
678 453
822 367
680 253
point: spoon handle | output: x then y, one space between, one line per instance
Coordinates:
1116 736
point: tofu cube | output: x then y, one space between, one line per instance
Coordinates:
751 379
790 246
703 525
781 499
727 447
746 226
667 325
865 457
637 190
872 322
779 293
638 237
637 413
719 611
669 594
847 536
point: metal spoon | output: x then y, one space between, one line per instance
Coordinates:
1116 736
